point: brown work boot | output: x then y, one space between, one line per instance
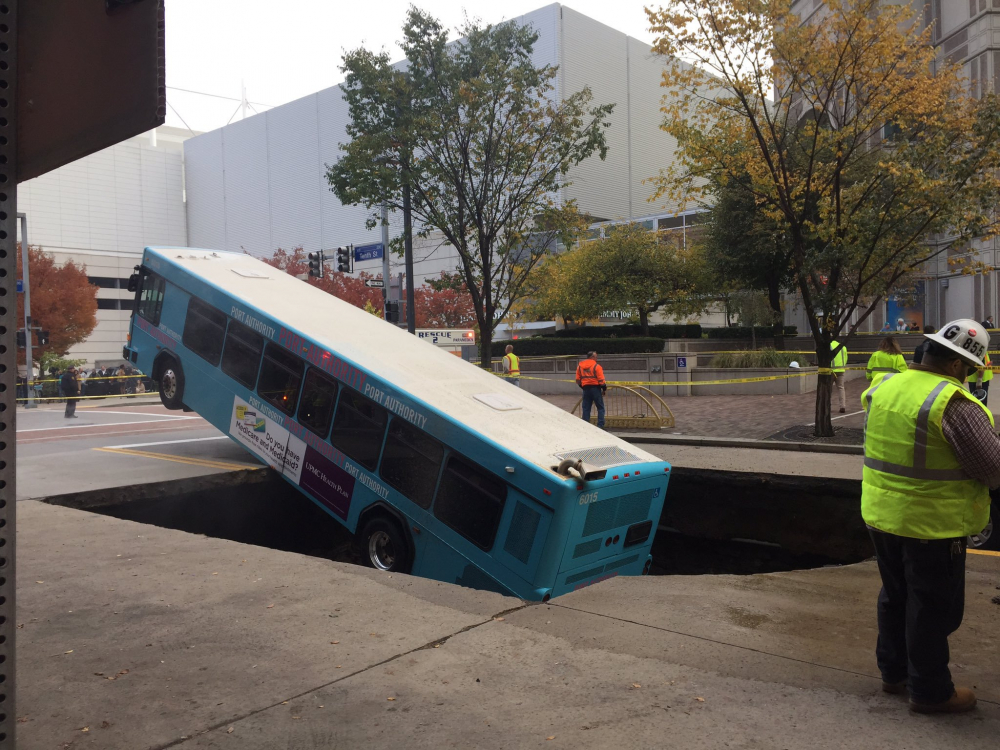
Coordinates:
961 701
895 688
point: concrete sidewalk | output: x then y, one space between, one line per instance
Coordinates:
133 636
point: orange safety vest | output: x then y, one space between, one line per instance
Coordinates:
589 372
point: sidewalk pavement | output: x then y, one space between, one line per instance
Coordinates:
133 637
756 417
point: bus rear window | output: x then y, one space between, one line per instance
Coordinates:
204 330
470 501
358 428
411 462
151 298
280 376
319 396
241 355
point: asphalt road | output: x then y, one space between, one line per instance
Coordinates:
115 446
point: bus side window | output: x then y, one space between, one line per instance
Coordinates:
358 428
470 501
204 330
151 298
411 462
280 376
241 354
319 396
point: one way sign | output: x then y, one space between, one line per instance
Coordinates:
377 283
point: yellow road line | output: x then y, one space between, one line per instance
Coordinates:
991 553
179 459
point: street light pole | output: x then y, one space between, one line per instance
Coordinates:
411 313
29 366
385 253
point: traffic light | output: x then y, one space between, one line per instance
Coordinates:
316 261
344 259
43 338
392 311
22 340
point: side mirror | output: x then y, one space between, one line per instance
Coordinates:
133 283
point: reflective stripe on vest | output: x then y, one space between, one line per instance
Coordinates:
513 364
587 375
913 485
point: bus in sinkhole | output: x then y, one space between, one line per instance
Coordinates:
439 468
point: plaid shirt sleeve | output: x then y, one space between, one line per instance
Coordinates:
969 432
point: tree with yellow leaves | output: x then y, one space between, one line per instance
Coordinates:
868 148
631 268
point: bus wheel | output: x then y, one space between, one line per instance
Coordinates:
385 545
171 384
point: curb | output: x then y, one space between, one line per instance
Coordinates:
720 442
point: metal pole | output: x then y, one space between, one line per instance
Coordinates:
411 313
28 358
385 252
8 374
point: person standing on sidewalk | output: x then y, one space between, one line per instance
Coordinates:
839 366
590 378
887 358
71 387
511 366
931 457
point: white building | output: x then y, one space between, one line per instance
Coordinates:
101 211
259 184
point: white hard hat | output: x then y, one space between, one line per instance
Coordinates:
793 364
967 338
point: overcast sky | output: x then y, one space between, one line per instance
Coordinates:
283 51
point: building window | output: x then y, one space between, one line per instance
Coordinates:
319 397
241 355
358 428
411 462
280 377
470 501
106 282
109 304
204 330
151 298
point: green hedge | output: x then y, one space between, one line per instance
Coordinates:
543 347
664 331
743 332
754 358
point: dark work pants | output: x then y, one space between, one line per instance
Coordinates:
70 407
921 603
593 396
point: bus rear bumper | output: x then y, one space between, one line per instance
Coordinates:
633 563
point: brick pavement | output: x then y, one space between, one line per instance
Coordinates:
747 416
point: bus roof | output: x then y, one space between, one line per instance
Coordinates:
514 419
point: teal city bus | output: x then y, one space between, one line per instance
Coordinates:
440 468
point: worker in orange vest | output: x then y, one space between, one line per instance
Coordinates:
590 377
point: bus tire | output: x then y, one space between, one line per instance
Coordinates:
171 377
385 546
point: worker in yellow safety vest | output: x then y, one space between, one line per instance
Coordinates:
983 377
511 366
931 457
887 358
839 366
